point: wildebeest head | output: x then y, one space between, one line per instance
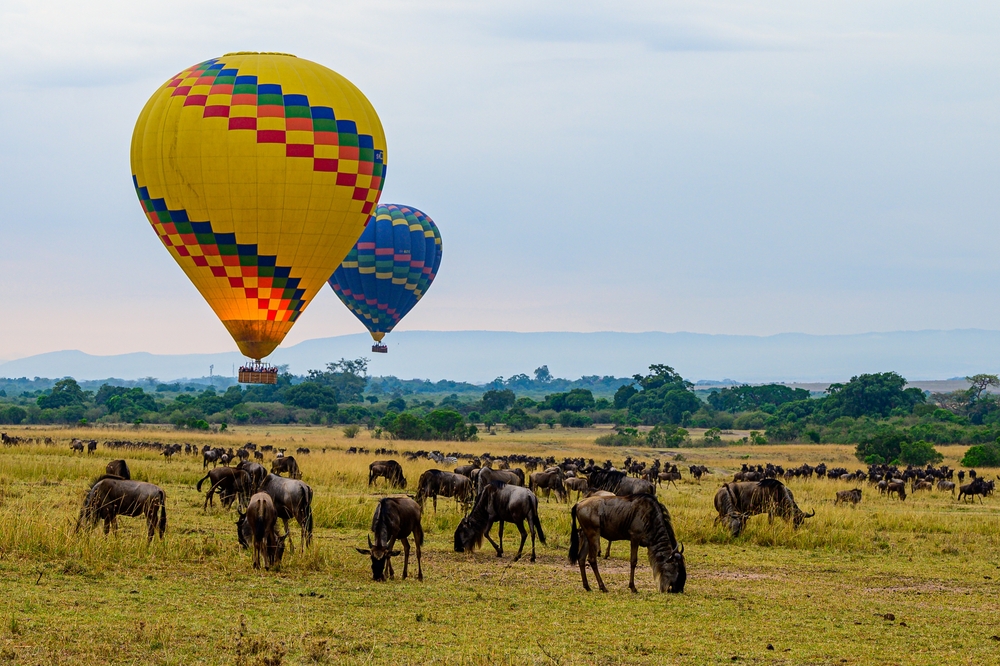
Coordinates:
801 515
467 536
676 572
380 556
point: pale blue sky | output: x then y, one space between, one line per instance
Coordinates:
718 167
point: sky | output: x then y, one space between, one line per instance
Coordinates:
715 167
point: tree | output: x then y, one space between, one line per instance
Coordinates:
884 446
666 397
623 394
575 400
748 398
983 455
873 395
397 405
66 392
542 374
980 383
919 453
311 395
348 377
498 400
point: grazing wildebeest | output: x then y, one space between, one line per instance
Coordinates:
395 517
736 502
257 474
639 519
500 502
514 477
118 468
548 481
286 464
391 470
897 487
848 496
436 482
697 471
110 497
619 483
76 446
948 486
228 482
921 485
466 470
262 519
292 499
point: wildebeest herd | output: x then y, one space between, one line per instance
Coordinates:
617 504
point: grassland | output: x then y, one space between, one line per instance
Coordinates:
886 582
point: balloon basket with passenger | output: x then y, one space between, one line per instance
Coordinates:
258 373
380 348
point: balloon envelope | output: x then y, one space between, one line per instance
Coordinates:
390 267
258 172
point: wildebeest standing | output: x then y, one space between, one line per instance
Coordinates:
487 475
500 502
110 497
118 468
436 482
292 499
262 519
848 496
76 446
577 483
228 482
736 502
286 464
548 481
639 519
391 470
395 517
619 483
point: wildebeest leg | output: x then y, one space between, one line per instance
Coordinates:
524 537
435 503
594 549
607 553
489 526
406 556
151 521
500 538
418 536
291 542
388 559
632 562
107 525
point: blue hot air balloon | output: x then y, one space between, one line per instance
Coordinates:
389 269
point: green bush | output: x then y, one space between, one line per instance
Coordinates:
750 421
919 453
982 455
575 420
886 443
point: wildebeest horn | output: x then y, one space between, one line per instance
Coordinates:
370 541
681 549
810 515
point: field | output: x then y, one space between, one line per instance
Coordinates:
886 582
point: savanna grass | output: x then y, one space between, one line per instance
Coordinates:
819 594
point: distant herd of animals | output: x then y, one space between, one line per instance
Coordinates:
612 503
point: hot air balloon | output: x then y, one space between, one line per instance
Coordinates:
258 172
389 269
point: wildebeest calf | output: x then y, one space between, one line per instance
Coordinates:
848 496
262 520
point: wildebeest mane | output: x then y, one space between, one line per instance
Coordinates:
604 479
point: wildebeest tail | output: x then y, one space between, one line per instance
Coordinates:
203 480
574 539
163 513
538 525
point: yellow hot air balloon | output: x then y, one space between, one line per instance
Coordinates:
258 171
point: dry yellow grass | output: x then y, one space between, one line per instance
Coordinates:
820 594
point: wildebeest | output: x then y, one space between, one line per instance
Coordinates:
487 475
110 497
897 487
978 487
118 468
848 496
671 477
292 499
91 446
947 486
736 502
577 483
286 464
76 446
395 517
697 471
500 502
639 519
436 482
262 520
548 481
391 470
228 482
619 483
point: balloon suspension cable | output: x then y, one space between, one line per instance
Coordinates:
380 348
257 372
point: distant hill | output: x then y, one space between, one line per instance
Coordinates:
481 356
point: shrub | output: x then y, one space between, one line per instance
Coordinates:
575 420
628 437
886 444
662 436
919 453
351 431
750 421
982 455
